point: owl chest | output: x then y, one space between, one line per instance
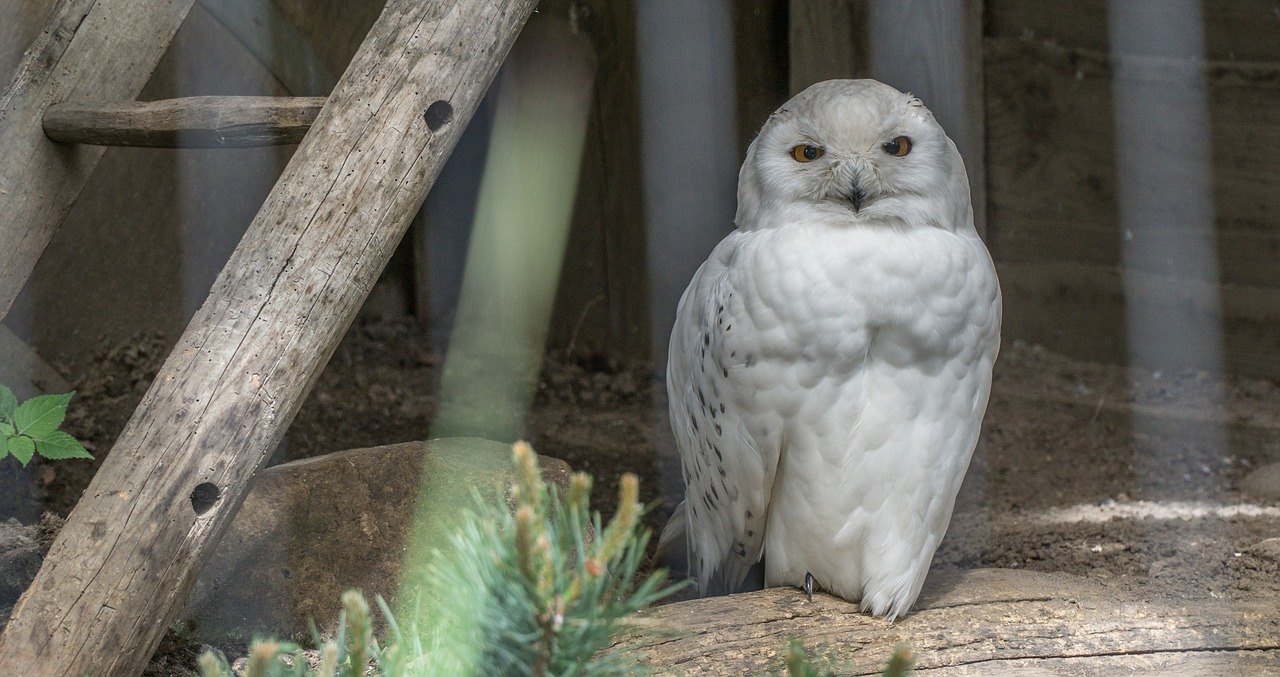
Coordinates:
828 301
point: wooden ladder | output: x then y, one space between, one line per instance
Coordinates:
129 553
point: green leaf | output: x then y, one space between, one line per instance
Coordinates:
22 449
61 445
8 403
7 430
41 415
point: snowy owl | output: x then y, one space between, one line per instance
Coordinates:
831 361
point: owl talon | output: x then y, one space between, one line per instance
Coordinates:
808 585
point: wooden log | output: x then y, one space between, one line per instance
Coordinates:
190 122
223 400
90 50
982 622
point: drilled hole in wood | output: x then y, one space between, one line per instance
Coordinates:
204 496
437 114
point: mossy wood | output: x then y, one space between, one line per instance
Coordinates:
225 397
981 622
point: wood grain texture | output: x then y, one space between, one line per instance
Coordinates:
1234 30
1052 175
602 303
1053 161
827 40
1079 309
189 122
982 622
102 50
225 397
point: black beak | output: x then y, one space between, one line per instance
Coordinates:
856 196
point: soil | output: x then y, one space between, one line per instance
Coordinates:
1066 477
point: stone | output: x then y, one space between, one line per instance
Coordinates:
1263 483
311 529
1269 548
20 558
24 372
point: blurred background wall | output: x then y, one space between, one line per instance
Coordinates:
1024 86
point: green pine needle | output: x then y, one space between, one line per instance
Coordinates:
523 592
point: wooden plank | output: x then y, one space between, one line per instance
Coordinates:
827 40
1079 310
1052 149
223 400
1234 30
189 122
101 50
762 61
602 303
981 622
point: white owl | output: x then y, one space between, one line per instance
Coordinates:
831 361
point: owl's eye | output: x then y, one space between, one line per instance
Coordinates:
806 153
899 146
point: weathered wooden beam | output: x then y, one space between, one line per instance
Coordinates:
190 122
90 50
983 622
223 400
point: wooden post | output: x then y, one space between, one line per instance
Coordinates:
90 50
223 400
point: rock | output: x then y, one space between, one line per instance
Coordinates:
311 529
1263 483
1269 548
24 372
20 558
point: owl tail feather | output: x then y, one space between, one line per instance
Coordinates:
673 544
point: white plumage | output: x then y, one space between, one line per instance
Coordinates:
831 361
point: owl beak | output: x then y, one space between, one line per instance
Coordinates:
857 196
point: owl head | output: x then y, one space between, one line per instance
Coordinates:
858 151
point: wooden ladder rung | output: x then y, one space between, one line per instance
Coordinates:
190 122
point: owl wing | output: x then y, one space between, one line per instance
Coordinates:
728 476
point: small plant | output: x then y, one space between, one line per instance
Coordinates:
800 665
347 655
32 428
528 593
523 592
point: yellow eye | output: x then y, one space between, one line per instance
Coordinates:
899 146
806 153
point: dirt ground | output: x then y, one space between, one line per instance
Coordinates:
1066 478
